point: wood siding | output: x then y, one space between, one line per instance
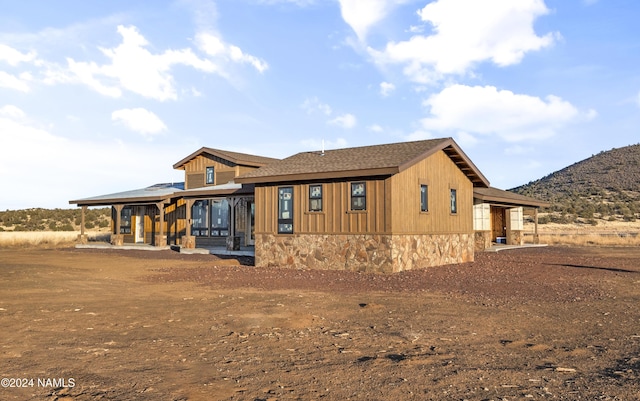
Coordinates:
336 215
197 166
441 175
392 203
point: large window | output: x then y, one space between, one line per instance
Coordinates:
454 201
315 198
210 175
199 218
219 218
358 196
424 198
125 220
285 210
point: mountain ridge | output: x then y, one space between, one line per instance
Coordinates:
605 185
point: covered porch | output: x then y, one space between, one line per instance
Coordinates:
498 217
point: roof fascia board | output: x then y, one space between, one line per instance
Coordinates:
318 176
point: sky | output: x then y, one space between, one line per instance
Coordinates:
103 97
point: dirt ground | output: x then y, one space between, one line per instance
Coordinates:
541 324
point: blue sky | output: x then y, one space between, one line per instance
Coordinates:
102 97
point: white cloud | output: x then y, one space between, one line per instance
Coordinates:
489 111
215 47
362 15
314 105
14 57
386 88
376 128
418 135
134 68
19 83
346 121
465 139
139 120
11 111
466 32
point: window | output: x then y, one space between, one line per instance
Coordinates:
219 218
424 198
358 196
210 175
315 198
125 220
285 210
454 201
199 218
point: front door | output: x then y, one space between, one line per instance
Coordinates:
250 235
498 222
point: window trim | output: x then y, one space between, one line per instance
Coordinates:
200 230
424 206
453 201
315 196
362 196
289 220
213 175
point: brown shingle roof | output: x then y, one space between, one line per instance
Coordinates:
361 161
243 159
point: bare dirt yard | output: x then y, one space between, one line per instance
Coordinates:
553 323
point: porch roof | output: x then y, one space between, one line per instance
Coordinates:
152 194
229 188
506 198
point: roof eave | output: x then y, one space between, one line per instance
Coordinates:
318 176
465 164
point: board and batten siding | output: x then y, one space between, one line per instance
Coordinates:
194 171
441 175
336 216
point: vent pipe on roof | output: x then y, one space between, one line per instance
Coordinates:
322 154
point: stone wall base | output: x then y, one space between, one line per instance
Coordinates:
515 237
117 239
363 252
482 240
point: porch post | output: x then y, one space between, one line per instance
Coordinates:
233 243
116 237
161 240
82 238
536 237
188 241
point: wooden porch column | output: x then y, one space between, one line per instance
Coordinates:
161 239
116 237
536 237
188 241
233 243
82 238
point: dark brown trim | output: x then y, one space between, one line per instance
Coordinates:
319 176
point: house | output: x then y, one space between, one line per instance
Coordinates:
382 208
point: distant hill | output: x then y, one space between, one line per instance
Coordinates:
38 219
604 186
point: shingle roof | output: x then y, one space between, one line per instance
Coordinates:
495 195
234 157
361 161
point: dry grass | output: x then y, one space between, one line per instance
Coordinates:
586 239
42 239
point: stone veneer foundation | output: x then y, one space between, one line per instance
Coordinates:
363 252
